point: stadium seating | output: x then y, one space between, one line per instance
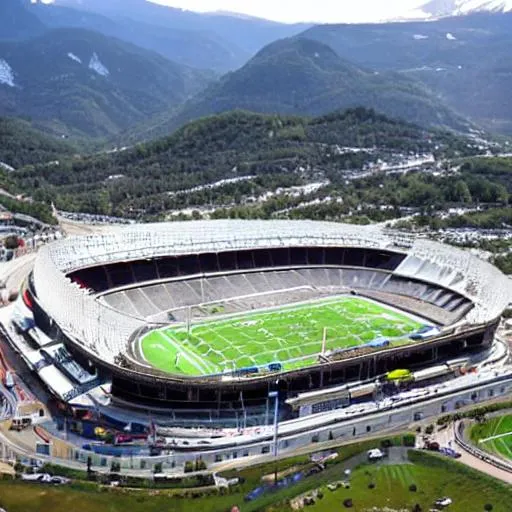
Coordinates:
275 287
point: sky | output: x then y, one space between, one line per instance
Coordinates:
321 11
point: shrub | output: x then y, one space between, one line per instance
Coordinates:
429 429
189 466
75 474
11 242
18 467
200 465
371 485
488 507
409 440
413 488
443 420
157 468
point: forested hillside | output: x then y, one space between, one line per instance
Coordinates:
21 145
274 150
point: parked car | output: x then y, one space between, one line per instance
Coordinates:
450 452
443 502
375 454
37 477
59 480
45 478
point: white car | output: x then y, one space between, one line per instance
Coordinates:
443 502
375 454
37 477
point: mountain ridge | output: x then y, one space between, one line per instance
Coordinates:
300 76
464 60
18 22
233 39
78 82
446 8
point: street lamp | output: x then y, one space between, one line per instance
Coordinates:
275 396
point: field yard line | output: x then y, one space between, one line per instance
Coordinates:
286 309
193 361
492 438
505 448
401 316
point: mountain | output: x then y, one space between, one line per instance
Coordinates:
439 8
21 144
216 41
302 76
78 82
17 21
465 60
193 48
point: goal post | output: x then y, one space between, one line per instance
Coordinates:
189 315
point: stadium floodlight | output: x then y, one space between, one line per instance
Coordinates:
275 396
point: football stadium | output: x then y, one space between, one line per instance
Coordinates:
207 319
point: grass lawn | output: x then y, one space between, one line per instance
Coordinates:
434 477
469 493
494 436
291 336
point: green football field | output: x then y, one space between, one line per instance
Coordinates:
291 336
495 436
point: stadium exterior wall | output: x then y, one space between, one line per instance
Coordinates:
136 386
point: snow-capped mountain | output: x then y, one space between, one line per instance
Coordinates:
441 8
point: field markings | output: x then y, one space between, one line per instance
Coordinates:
350 322
497 436
191 358
505 449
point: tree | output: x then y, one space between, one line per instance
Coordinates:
462 193
11 242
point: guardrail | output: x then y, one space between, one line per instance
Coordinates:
476 452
